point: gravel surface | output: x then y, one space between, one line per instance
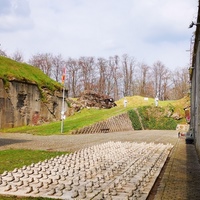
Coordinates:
75 142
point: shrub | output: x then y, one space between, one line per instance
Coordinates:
155 118
144 116
135 120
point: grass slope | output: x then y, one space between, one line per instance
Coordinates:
12 70
90 116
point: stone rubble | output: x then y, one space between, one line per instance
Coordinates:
90 99
112 170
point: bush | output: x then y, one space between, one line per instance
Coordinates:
167 123
155 118
135 120
144 116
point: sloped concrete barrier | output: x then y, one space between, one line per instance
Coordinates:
113 124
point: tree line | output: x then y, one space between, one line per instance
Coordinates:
117 76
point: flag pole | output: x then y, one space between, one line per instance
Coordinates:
63 112
63 101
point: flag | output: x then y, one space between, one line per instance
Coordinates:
63 75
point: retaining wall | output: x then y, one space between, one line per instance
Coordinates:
113 124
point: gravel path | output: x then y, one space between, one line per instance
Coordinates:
76 142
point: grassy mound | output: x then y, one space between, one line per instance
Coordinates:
12 70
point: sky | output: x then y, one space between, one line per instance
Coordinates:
147 30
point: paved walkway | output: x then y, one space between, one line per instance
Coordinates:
181 178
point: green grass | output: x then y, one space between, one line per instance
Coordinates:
81 119
11 159
84 118
12 70
90 116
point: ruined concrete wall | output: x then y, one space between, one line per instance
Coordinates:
21 105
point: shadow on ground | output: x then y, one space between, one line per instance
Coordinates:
5 142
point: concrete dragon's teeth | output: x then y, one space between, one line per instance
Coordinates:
112 170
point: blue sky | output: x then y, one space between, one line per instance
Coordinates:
148 30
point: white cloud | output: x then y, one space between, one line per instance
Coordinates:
147 30
14 15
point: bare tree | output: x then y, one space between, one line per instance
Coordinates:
57 66
180 83
114 77
117 75
18 56
166 85
102 73
43 62
2 52
128 65
157 72
74 77
143 80
87 66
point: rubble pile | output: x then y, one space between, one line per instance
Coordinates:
91 99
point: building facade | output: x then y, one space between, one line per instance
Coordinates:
195 85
